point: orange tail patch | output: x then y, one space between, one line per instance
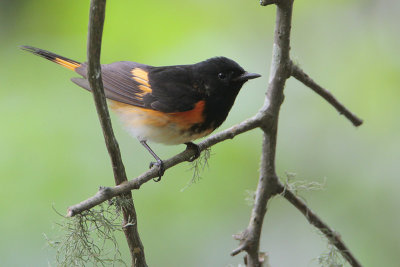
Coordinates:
63 61
67 64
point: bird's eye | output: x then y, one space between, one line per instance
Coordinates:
221 76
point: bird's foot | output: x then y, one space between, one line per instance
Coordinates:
161 169
195 148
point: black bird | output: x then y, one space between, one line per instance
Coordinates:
171 104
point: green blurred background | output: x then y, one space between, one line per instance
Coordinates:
52 150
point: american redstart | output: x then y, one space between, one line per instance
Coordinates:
170 104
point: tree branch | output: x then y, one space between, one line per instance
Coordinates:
330 234
269 184
96 22
106 193
300 75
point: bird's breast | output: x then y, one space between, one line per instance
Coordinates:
160 127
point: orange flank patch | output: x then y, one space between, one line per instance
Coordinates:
156 126
139 116
190 117
66 64
141 76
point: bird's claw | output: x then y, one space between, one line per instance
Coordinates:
195 148
161 169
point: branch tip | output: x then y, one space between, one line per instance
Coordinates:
238 237
70 213
333 236
304 78
238 250
268 2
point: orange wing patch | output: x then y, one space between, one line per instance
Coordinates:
142 77
145 89
66 64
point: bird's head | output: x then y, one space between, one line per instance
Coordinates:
222 76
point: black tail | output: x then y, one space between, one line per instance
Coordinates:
63 61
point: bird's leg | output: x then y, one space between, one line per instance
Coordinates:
159 163
195 148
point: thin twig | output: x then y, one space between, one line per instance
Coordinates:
106 193
300 75
268 2
96 22
314 219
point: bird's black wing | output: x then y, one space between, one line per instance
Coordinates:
173 89
166 89
120 82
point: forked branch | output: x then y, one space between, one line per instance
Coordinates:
269 185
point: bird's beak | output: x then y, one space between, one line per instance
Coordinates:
246 76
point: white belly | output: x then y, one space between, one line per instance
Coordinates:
154 126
